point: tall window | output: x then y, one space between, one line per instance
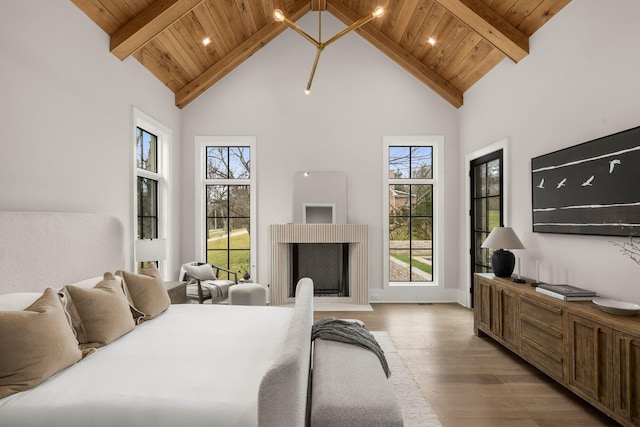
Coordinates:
228 203
411 188
151 204
147 184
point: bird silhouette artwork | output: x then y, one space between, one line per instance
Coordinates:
589 188
612 164
588 183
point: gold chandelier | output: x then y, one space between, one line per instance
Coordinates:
278 15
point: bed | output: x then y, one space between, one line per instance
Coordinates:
177 368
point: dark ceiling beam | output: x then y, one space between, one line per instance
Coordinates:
491 26
238 55
416 68
147 24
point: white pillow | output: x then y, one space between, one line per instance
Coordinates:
200 272
18 301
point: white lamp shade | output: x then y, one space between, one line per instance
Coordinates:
151 249
502 238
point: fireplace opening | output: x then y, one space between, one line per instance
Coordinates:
327 264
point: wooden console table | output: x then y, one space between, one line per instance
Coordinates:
594 354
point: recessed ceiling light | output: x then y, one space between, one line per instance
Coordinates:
431 41
206 41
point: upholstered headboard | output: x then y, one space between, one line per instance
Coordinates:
47 249
283 393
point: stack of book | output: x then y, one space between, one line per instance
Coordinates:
566 292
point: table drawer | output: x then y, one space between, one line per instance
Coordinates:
550 339
544 313
548 361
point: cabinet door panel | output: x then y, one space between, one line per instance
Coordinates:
485 295
506 318
627 376
590 353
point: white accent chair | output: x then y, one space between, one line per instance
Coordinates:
203 283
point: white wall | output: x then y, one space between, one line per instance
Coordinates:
358 96
579 83
66 116
66 113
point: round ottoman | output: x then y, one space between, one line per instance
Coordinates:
247 294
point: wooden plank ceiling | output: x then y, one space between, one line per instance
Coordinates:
471 36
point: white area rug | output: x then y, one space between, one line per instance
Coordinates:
415 411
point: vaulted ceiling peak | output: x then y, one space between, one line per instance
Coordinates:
446 44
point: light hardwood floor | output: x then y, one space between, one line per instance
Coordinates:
471 381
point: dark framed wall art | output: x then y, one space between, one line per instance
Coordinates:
590 188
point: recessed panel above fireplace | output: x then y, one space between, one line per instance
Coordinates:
315 194
314 213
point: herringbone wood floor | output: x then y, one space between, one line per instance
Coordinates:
471 381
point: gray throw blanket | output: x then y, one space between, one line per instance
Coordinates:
333 329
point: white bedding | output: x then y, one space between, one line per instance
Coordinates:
194 365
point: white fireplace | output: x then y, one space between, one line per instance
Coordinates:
355 235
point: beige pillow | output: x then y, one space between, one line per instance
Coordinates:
36 343
99 315
146 292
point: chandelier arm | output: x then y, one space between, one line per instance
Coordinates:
279 16
300 31
359 23
313 69
319 26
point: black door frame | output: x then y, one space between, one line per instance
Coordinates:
497 154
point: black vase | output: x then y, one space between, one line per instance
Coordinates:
246 275
503 263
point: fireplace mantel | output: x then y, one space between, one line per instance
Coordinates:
281 235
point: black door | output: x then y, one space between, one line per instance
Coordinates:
486 208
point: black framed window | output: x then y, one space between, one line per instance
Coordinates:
146 150
228 207
147 208
410 213
147 184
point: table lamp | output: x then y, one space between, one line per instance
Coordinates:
151 250
502 239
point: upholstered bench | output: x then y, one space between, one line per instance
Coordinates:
247 294
350 388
